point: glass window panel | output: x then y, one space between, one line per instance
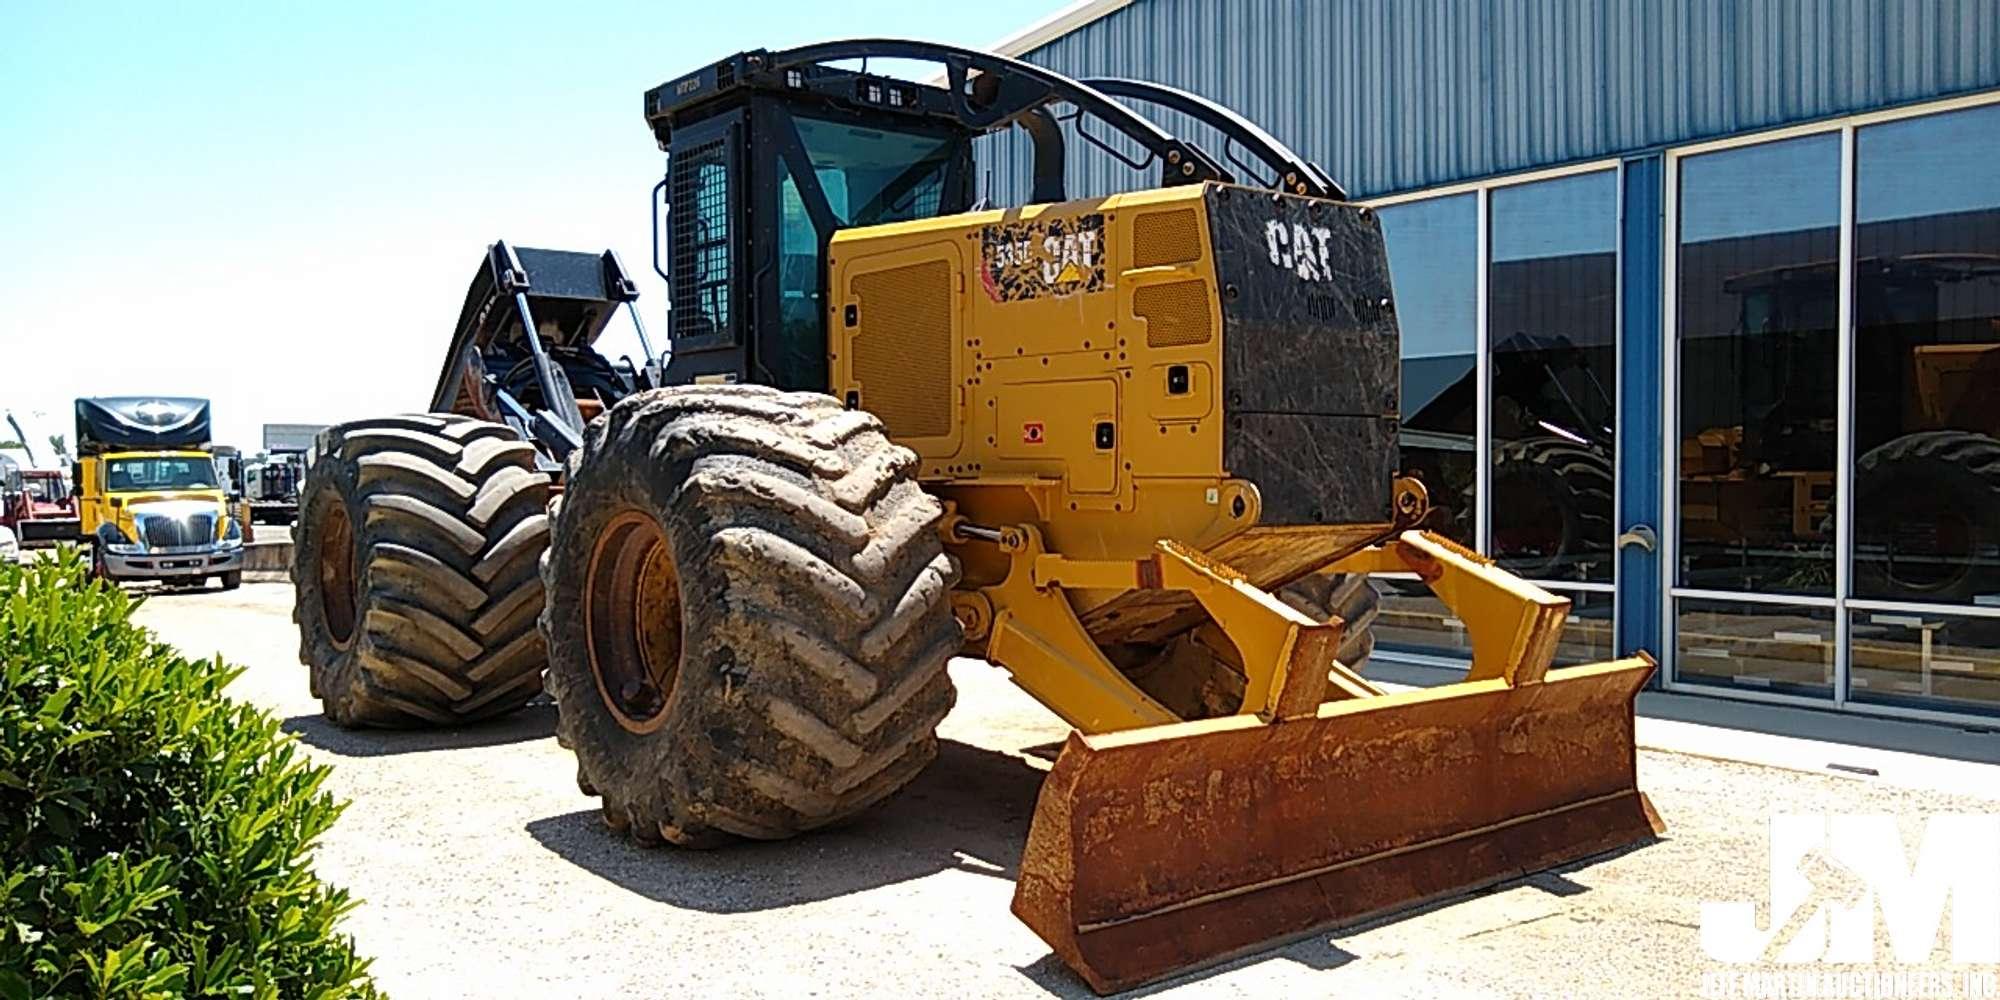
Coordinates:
1770 647
1757 303
1413 620
1927 359
872 176
1434 264
801 362
1587 635
1933 661
1552 314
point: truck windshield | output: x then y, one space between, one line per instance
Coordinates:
164 473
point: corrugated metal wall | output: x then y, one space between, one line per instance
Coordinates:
1396 95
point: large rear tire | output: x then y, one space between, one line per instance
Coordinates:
1350 596
415 569
748 615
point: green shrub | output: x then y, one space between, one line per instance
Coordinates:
153 833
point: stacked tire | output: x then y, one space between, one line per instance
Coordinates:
415 566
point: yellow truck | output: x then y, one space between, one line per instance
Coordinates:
151 501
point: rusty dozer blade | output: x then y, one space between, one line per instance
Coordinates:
1159 849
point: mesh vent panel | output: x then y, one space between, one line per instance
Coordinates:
698 231
903 348
1161 238
1176 313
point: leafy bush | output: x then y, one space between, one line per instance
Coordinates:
153 834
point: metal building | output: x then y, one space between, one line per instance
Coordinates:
1700 304
290 437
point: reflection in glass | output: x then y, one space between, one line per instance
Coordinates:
1927 359
1755 646
1925 660
1757 307
801 355
1587 635
1552 315
1412 620
1434 264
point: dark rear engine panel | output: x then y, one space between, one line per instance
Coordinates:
1310 361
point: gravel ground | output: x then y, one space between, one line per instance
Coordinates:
486 874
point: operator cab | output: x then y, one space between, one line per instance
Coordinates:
771 153
765 166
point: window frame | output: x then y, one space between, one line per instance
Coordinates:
1482 343
1841 602
1482 347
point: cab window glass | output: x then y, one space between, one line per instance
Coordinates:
126 474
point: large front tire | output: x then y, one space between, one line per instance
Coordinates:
748 616
415 571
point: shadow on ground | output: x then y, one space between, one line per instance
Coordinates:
1317 949
968 811
531 723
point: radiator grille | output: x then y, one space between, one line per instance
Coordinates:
1162 238
162 532
903 347
1176 313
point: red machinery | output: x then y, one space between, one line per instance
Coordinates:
37 506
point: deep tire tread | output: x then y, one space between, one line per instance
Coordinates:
813 673
448 511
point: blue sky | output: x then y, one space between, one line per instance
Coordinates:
278 206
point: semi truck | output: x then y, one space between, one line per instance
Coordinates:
152 503
271 482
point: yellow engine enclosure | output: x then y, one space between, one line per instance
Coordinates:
1062 365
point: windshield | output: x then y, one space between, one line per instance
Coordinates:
869 176
45 489
191 472
872 176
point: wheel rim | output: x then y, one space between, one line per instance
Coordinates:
338 585
1928 546
632 620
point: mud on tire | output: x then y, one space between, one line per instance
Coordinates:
415 570
748 614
